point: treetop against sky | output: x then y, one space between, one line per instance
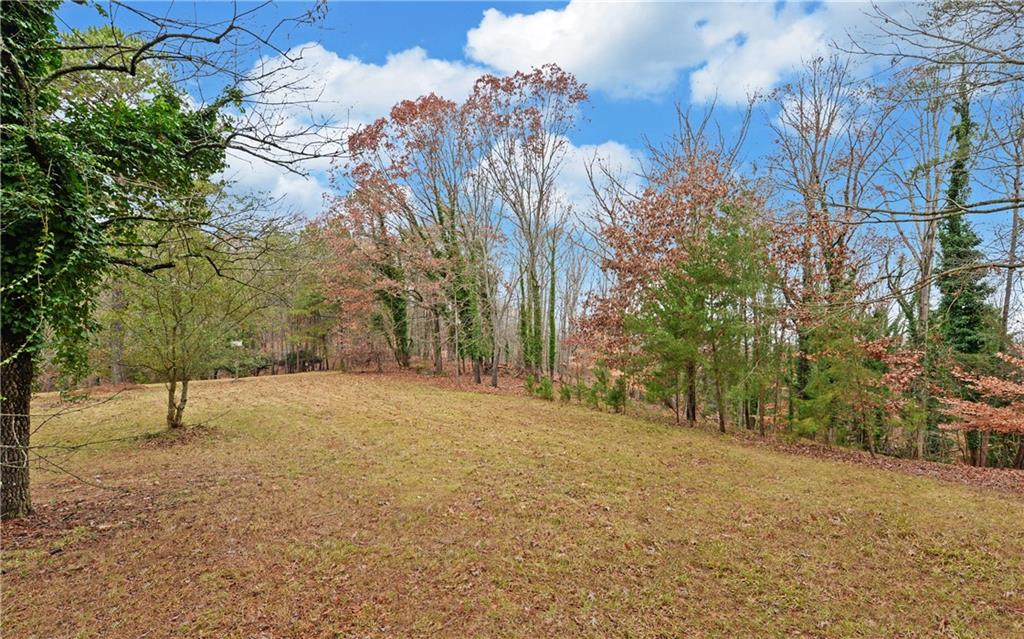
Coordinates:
640 62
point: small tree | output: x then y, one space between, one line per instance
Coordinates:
615 396
179 322
546 388
694 314
565 392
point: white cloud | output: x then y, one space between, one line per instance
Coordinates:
348 88
313 84
573 181
288 192
624 49
759 64
641 49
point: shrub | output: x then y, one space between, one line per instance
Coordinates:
565 392
580 390
531 385
601 376
615 396
546 389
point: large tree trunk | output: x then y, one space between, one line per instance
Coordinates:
16 391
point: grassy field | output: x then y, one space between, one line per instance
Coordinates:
331 505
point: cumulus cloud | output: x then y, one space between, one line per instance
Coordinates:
624 49
573 181
640 50
362 91
313 84
288 192
739 71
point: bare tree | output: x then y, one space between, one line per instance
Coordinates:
526 118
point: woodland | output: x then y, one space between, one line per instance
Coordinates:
454 400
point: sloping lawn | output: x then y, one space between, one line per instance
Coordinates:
332 505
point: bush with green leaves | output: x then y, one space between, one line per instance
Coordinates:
601 378
530 383
580 390
565 392
615 395
546 389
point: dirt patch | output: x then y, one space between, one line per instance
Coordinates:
91 513
181 436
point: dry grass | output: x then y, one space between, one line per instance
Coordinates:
326 505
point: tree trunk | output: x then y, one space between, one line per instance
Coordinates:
16 390
983 449
924 328
117 368
172 388
1011 260
869 434
179 410
721 403
691 394
760 413
675 403
552 338
477 370
438 361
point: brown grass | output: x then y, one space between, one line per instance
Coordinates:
331 505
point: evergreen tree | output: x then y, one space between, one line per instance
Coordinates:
963 308
694 314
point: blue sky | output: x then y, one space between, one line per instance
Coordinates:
639 60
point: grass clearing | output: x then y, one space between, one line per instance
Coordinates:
332 505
